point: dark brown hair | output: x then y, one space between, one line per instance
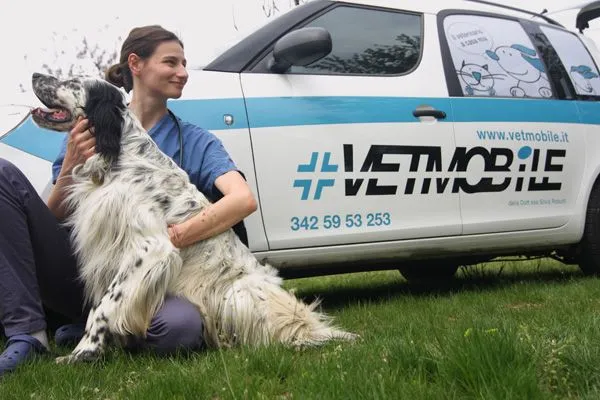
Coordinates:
142 41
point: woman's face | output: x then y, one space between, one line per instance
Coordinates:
163 74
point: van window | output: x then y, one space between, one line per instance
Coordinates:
576 59
495 57
368 42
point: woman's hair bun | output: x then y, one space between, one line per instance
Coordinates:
119 76
114 75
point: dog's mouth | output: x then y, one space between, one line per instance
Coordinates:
54 115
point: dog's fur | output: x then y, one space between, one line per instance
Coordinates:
121 201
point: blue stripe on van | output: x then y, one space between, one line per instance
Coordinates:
589 111
29 138
289 111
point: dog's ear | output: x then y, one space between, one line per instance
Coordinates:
104 109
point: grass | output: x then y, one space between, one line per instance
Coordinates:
507 331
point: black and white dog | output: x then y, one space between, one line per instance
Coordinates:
122 199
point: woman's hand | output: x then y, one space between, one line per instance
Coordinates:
80 146
175 235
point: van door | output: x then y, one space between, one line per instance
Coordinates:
519 141
340 157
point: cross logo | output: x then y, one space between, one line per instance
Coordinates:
307 184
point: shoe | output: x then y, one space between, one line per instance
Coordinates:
69 335
19 348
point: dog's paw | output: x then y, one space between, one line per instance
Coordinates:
351 337
65 360
78 357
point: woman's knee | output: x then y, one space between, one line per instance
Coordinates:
7 166
13 183
177 326
11 175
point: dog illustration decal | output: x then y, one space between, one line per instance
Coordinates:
522 63
581 75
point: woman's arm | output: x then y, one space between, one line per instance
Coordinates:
80 146
236 204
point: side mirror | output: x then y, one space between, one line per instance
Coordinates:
300 47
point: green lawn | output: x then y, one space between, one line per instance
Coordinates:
507 331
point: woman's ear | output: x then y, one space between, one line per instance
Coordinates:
135 63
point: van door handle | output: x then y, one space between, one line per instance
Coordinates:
423 112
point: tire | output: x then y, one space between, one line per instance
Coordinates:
429 272
589 259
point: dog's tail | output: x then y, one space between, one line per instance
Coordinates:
258 312
299 324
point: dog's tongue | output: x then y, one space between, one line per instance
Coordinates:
58 114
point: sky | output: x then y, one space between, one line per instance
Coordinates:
36 32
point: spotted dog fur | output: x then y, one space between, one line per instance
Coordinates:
121 201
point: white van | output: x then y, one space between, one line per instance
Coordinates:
386 134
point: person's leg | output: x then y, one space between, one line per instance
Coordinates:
177 326
20 304
36 261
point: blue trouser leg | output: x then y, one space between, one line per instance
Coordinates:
176 326
36 262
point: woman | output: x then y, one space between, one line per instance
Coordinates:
37 267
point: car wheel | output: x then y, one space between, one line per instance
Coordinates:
429 272
589 259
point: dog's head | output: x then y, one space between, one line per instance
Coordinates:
102 103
